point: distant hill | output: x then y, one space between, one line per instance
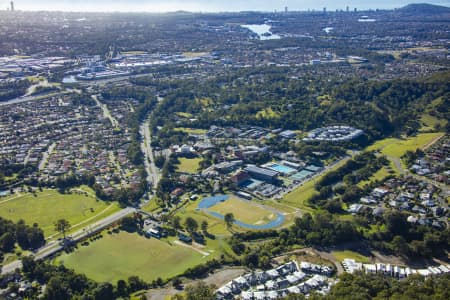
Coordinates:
424 8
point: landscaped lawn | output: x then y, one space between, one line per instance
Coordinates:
379 175
299 196
341 255
244 211
189 165
123 254
191 130
215 225
151 206
48 206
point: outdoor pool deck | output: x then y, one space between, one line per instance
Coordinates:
251 184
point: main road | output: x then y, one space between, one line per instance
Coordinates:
153 175
106 112
54 247
153 179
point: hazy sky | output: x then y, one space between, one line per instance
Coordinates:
205 5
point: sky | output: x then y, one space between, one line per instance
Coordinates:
206 5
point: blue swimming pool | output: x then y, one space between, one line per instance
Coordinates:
282 169
211 201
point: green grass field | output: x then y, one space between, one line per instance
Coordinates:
48 206
341 255
267 113
189 165
395 147
429 123
244 211
121 255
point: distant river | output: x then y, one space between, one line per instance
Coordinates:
69 79
263 31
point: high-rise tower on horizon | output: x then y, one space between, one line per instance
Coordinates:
12 5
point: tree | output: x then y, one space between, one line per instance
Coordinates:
7 241
159 161
36 237
229 220
176 282
28 265
176 222
400 246
57 289
104 291
136 284
129 224
204 226
396 223
295 297
190 224
62 225
200 291
122 288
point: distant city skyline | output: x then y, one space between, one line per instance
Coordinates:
207 5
